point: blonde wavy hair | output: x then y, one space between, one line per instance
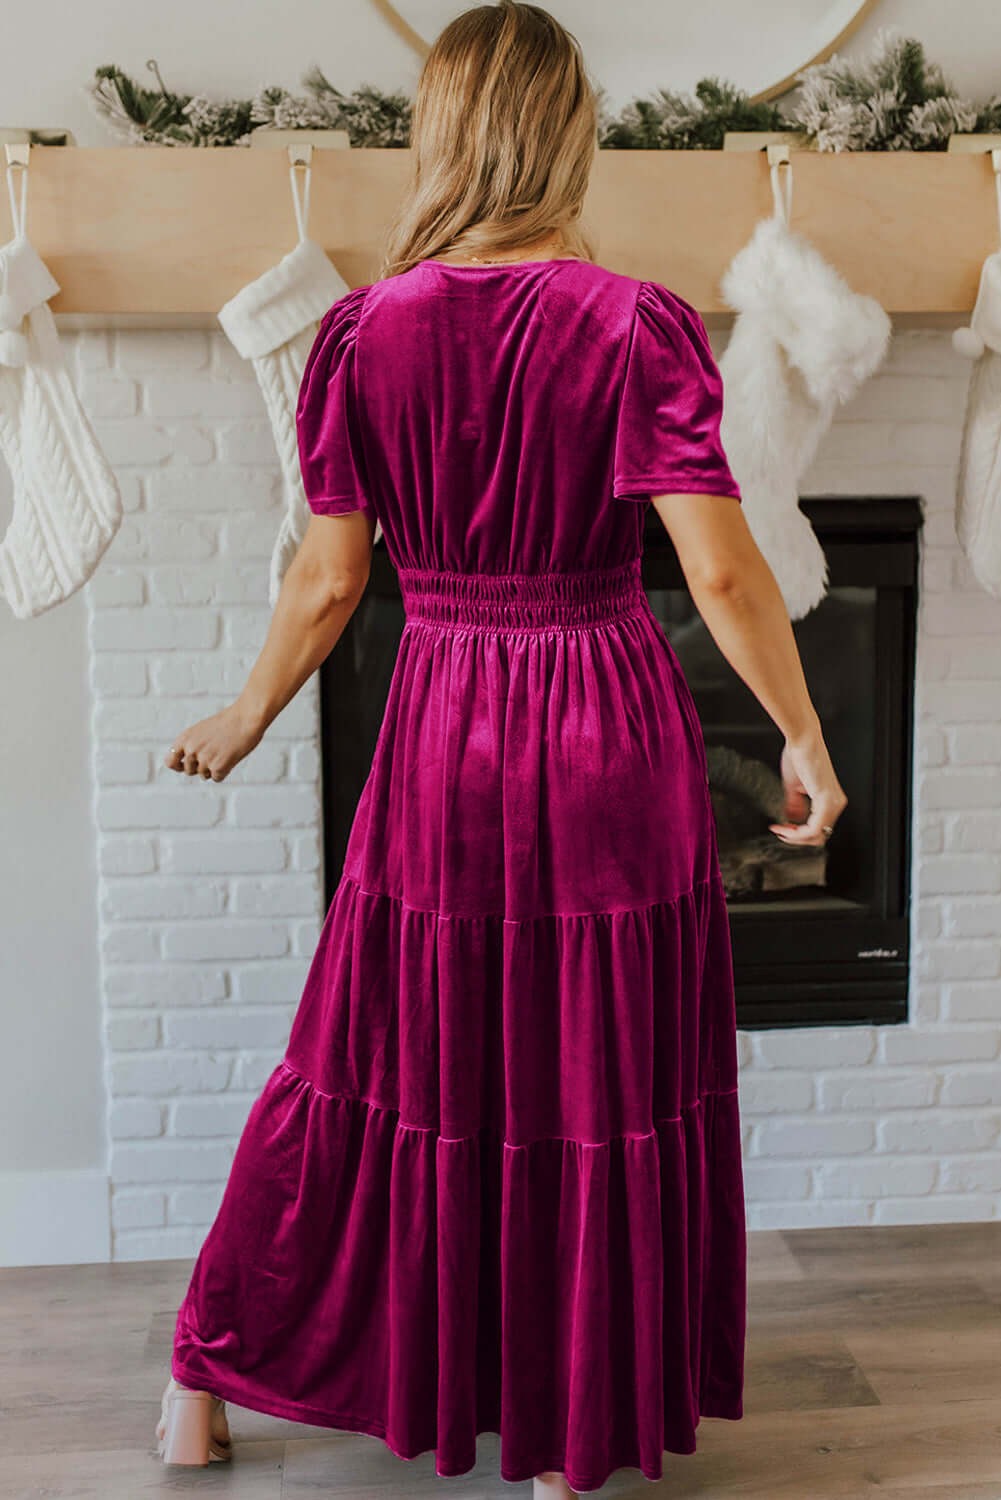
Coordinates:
503 135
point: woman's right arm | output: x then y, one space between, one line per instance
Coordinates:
320 591
735 592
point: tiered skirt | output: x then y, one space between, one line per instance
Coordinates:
495 1182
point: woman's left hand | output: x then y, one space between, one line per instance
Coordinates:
212 747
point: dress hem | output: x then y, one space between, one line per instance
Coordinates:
296 1411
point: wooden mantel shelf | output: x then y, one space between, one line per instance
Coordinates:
151 235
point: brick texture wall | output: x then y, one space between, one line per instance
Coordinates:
211 894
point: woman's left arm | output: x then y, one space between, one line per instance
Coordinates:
320 592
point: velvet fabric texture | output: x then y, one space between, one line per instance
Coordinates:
495 1182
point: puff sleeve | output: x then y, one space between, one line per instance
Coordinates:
667 437
326 421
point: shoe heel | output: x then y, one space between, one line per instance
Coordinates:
189 1423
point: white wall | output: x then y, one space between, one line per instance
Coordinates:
211 894
53 1185
902 1124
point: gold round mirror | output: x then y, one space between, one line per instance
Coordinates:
633 47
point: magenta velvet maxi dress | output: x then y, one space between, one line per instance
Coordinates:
495 1183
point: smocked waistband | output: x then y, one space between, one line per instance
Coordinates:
521 600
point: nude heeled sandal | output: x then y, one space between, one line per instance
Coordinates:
192 1428
552 1485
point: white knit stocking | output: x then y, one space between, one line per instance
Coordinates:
978 488
272 322
67 506
278 375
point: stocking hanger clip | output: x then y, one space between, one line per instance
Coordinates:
18 154
300 158
778 156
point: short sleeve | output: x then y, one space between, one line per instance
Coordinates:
667 437
326 418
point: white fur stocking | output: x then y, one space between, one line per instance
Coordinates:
802 343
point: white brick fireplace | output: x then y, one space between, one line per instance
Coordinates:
211 895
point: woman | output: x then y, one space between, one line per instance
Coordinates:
495 1183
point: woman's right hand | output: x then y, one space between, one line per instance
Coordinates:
212 747
808 778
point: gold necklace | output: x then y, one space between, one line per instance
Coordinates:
500 260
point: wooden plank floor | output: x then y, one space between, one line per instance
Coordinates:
873 1369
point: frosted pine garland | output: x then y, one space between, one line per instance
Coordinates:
671 121
896 101
161 117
